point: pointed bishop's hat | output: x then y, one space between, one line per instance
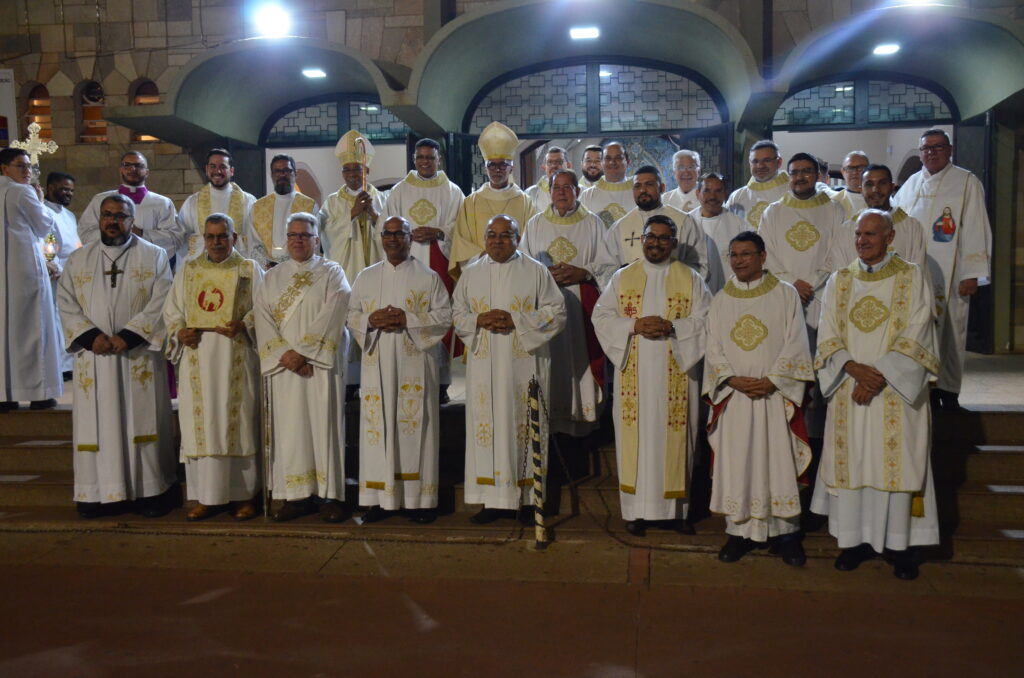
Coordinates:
498 142
354 147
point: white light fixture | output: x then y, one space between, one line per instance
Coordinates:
584 32
886 49
605 74
272 21
314 73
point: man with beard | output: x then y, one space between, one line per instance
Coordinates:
623 243
111 299
851 197
591 167
949 202
767 184
270 213
155 218
609 197
878 189
29 332
718 223
650 322
212 341
60 190
686 167
540 192
220 196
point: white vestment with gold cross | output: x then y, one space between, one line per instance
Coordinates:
124 447
432 202
750 201
875 477
218 382
498 372
301 307
756 329
399 410
797 236
577 399
643 369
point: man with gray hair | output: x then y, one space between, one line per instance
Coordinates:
211 339
111 298
850 197
300 331
686 168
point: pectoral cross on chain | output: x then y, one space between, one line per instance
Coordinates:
113 273
633 237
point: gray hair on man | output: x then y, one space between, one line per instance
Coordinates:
507 217
220 218
871 211
123 199
305 217
686 153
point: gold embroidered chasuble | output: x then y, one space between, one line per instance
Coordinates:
749 202
263 221
610 200
477 209
883 319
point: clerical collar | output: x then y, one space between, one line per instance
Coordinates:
134 193
114 249
399 264
875 268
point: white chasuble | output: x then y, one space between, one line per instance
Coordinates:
749 202
218 382
540 194
399 408
30 346
609 200
908 243
682 201
623 242
122 409
882 319
301 307
577 363
656 389
851 202
759 445
797 235
477 209
950 205
432 202
499 368
230 200
353 243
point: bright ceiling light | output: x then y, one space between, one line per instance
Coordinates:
605 74
584 32
314 73
886 49
272 21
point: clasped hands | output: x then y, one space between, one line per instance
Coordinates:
389 319
567 274
191 336
805 290
427 234
752 387
108 344
363 203
297 363
869 381
496 320
653 327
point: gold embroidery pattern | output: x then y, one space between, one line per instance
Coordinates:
305 479
562 250
482 414
612 213
271 346
141 275
410 401
371 417
196 386
85 382
868 314
141 372
800 371
423 211
841 403
770 283
749 332
520 305
321 343
893 444
480 305
825 350
754 215
802 236
917 353
285 301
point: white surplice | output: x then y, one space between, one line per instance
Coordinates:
623 242
875 465
155 215
609 200
756 329
399 410
577 398
950 205
908 243
684 201
218 386
851 202
750 201
540 194
30 346
122 409
499 368
230 200
66 232
721 229
477 209
301 307
647 501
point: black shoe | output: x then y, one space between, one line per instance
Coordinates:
48 404
527 516
351 392
375 515
443 395
791 549
735 548
950 401
637 528
904 564
680 526
485 516
850 559
89 509
8 406
67 376
291 510
423 516
333 511
154 507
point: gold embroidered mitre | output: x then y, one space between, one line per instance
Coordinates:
498 142
353 147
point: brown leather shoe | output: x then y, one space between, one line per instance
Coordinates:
199 512
333 511
291 510
245 510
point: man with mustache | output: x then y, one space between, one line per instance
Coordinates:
270 213
590 168
220 195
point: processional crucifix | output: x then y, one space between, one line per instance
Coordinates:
34 146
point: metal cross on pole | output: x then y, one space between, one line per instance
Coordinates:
34 146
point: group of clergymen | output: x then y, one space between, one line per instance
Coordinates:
857 297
